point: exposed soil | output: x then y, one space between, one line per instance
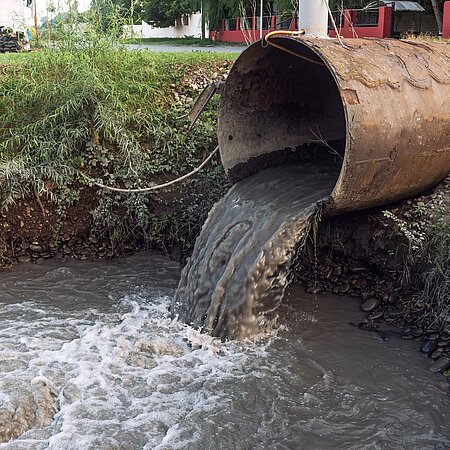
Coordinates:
33 230
32 219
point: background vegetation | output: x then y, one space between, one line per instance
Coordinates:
427 268
164 12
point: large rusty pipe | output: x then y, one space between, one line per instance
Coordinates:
383 106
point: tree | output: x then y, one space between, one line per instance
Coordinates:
216 10
163 13
130 9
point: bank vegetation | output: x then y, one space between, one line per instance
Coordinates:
113 115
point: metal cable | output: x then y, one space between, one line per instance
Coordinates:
152 188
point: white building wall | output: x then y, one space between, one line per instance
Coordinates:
14 14
194 29
132 31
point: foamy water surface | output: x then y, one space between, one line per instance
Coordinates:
90 358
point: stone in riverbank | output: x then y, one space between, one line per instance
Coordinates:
72 247
440 365
35 247
369 305
428 347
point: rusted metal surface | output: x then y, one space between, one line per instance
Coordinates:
382 105
202 101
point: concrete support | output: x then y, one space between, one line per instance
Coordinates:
313 17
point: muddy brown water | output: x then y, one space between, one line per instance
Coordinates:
91 358
239 268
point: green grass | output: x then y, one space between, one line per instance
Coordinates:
10 58
113 115
426 264
431 269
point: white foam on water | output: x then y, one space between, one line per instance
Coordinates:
136 373
122 373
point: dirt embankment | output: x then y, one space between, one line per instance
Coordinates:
396 260
32 230
96 122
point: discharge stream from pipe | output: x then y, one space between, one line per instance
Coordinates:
237 274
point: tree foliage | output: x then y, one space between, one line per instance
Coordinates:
127 9
163 13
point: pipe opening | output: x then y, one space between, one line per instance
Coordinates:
279 108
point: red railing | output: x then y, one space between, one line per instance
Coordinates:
248 29
351 23
354 23
446 21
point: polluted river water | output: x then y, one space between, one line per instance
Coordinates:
239 269
91 358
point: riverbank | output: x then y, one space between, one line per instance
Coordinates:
396 260
113 116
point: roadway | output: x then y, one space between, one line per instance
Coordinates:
187 48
